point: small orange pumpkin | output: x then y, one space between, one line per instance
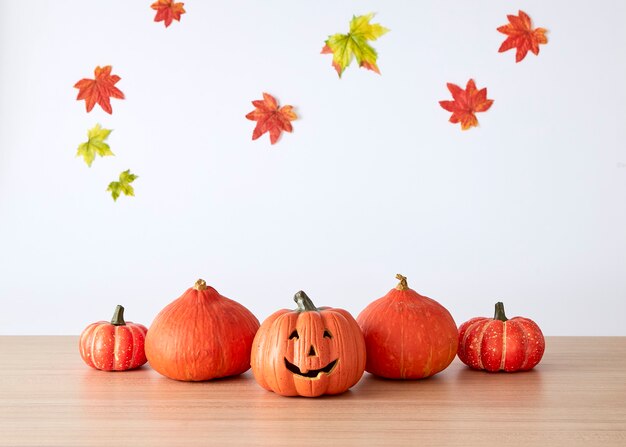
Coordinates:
408 336
201 336
309 351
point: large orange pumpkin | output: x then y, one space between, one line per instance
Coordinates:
309 351
201 336
407 335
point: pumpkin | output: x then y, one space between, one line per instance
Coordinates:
308 351
407 335
500 344
113 346
201 336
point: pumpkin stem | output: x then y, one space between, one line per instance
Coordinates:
304 303
500 312
403 284
118 316
200 285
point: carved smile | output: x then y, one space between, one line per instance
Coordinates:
312 373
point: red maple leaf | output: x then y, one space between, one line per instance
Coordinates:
522 36
99 90
270 118
167 11
466 103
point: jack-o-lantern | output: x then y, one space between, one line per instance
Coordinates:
308 351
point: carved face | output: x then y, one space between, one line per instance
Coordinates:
308 353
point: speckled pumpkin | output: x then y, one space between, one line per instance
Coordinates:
117 345
308 351
501 344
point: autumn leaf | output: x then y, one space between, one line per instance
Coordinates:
270 118
466 103
355 44
99 90
167 10
522 36
123 185
95 145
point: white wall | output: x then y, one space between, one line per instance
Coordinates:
530 208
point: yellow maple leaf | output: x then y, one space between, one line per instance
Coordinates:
355 44
95 145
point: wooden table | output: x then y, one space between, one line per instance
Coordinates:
576 396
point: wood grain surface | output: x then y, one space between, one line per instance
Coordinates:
575 397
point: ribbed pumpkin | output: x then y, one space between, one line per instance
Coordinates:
201 336
308 351
407 335
113 346
500 344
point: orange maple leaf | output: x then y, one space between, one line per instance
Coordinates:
270 118
99 90
466 103
167 11
522 36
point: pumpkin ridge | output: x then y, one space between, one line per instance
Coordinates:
340 320
358 344
204 318
469 328
344 379
220 327
522 322
451 355
526 351
277 322
480 344
477 325
93 344
429 367
135 344
503 358
117 361
282 333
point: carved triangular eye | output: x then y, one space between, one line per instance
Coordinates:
294 334
327 334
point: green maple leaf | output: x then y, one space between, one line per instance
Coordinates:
123 185
95 145
346 47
